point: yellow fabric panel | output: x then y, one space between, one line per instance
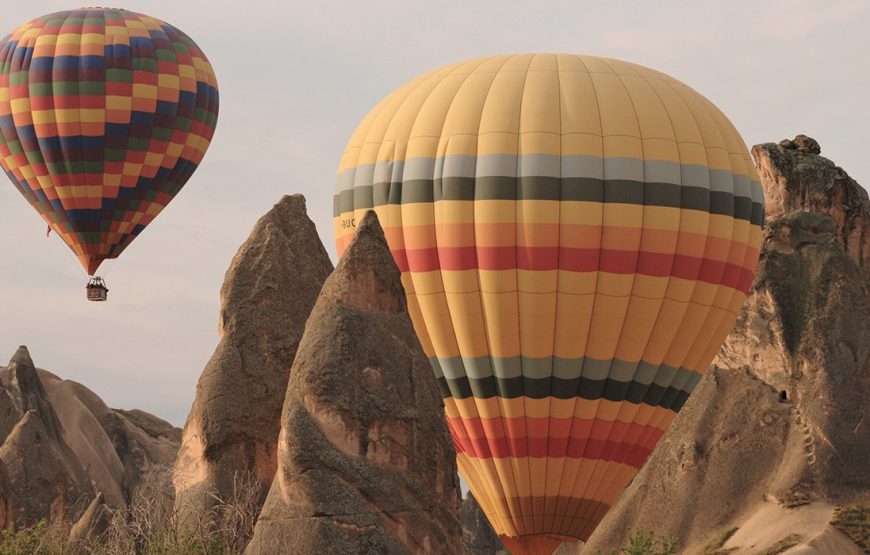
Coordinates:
449 234
429 119
578 111
617 113
536 312
436 318
614 285
540 119
608 316
468 323
537 212
497 281
500 118
622 146
639 322
495 211
424 283
582 144
419 214
491 482
462 281
661 149
652 118
577 283
573 317
464 115
419 326
502 317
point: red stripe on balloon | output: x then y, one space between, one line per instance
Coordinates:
574 260
554 437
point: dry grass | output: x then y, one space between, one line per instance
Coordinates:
854 521
714 546
794 499
785 543
151 525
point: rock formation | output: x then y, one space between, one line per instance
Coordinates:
366 463
61 446
40 482
777 434
797 179
269 290
477 534
92 523
5 498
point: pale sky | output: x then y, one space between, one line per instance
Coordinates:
295 79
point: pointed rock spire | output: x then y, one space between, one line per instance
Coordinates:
268 292
366 463
367 277
22 382
39 480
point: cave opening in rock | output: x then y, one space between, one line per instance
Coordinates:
783 396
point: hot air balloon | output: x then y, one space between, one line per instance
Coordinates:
104 116
576 237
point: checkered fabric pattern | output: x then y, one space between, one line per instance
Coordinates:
104 116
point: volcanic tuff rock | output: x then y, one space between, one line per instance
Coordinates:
366 463
783 418
5 498
796 178
269 290
60 446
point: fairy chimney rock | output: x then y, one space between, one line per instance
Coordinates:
366 463
268 292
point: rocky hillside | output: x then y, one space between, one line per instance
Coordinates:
777 435
61 447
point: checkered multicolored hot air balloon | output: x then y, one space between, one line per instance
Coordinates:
576 237
104 115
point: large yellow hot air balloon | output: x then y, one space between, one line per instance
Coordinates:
576 237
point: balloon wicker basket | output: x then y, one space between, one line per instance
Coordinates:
97 290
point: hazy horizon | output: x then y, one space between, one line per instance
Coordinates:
294 83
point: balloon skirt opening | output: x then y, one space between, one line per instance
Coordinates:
534 544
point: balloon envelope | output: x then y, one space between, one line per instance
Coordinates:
576 237
104 116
